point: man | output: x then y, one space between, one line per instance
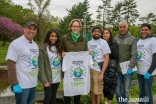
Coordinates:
127 52
22 63
100 55
146 66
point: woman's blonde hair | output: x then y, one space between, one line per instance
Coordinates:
71 22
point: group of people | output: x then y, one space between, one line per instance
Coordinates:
24 58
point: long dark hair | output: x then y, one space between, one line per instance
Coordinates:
57 44
111 36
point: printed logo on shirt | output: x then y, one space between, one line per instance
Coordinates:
55 62
140 55
95 52
78 73
33 58
33 61
140 52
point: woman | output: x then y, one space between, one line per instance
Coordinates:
50 65
109 91
74 42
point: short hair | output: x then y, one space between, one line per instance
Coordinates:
146 25
71 22
96 27
123 22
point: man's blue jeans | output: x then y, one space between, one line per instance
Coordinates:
123 87
26 97
145 86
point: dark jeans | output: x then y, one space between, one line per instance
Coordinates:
27 96
76 99
50 93
123 87
145 86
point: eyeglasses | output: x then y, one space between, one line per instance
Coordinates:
75 26
96 31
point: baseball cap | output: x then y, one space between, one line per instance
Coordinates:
30 23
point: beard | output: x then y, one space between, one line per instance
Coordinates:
96 37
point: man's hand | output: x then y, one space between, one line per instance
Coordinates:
17 88
147 75
129 71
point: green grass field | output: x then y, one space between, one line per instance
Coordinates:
3 52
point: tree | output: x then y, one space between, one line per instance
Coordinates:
129 11
17 13
148 19
79 11
104 10
116 16
9 30
42 6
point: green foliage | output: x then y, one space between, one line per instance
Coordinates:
3 52
16 12
148 19
79 11
105 12
116 16
134 30
129 11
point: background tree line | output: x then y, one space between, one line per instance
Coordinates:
108 16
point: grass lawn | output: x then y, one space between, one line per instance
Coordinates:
3 52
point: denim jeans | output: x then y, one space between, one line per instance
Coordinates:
123 87
50 93
145 86
27 96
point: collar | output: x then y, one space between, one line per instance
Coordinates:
124 36
26 40
151 35
69 37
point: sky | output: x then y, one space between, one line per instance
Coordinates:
58 7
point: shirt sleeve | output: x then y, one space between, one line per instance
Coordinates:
133 54
13 53
105 49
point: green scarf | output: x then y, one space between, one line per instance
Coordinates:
75 37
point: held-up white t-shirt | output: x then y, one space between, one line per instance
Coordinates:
55 63
76 68
145 50
99 48
25 55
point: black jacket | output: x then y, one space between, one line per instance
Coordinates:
110 77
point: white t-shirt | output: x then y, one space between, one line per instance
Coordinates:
145 50
55 63
25 55
99 48
76 68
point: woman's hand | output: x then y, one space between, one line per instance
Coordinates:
100 78
63 54
47 84
90 52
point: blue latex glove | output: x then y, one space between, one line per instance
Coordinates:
17 88
129 71
134 72
147 75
